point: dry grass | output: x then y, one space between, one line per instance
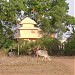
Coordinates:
26 65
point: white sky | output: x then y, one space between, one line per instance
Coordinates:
7 0
71 7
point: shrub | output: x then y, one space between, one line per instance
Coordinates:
70 47
51 44
53 47
26 47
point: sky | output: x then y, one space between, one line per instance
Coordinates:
7 0
71 7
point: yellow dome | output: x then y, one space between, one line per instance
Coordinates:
28 20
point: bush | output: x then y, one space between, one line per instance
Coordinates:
51 44
70 47
26 47
53 47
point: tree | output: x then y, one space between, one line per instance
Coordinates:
8 12
53 11
6 34
70 20
50 15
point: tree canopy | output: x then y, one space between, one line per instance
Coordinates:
50 15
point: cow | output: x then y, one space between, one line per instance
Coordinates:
44 54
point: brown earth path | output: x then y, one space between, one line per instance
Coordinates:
28 66
68 61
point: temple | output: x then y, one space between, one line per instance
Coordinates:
27 30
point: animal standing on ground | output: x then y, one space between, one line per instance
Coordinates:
44 54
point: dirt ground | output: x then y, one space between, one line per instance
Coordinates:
26 65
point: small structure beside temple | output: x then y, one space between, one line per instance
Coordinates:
27 30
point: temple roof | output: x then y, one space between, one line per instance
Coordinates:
28 20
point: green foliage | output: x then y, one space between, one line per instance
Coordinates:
51 45
46 26
49 14
70 46
5 34
36 9
9 44
70 20
25 47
